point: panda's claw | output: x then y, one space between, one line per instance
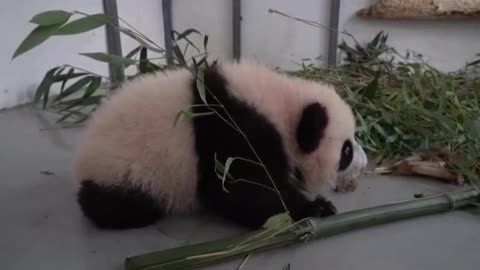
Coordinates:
322 207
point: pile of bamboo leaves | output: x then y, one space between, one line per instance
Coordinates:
409 112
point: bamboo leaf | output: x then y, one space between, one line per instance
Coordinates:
72 113
93 86
64 81
186 113
201 85
64 117
47 92
133 52
129 33
179 56
278 221
205 42
182 115
74 87
186 33
110 58
80 102
220 169
35 38
51 17
44 87
84 24
475 128
189 42
228 163
371 89
476 62
69 75
145 66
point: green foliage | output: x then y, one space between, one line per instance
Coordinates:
52 23
85 24
109 58
35 38
405 105
79 90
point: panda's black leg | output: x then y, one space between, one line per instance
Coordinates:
117 207
251 205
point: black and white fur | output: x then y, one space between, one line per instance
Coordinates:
134 166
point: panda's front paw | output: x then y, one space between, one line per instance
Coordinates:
322 207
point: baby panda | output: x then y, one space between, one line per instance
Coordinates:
134 165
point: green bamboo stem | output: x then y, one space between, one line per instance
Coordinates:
193 256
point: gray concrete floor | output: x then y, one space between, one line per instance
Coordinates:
41 226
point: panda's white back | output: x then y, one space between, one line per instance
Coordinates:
131 137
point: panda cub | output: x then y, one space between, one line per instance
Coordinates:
134 166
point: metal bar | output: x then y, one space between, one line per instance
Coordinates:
114 44
236 24
168 28
333 33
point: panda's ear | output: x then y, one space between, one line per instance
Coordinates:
311 127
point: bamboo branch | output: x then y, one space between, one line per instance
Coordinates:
193 256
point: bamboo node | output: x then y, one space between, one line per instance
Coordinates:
451 199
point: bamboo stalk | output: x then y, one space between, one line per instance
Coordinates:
193 256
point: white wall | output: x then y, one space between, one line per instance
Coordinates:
146 16
448 45
212 17
279 41
269 38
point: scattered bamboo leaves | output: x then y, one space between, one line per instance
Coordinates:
75 87
55 23
44 87
371 89
430 163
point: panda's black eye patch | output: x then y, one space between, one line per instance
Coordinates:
346 155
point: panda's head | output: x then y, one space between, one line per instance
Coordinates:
327 152
316 124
